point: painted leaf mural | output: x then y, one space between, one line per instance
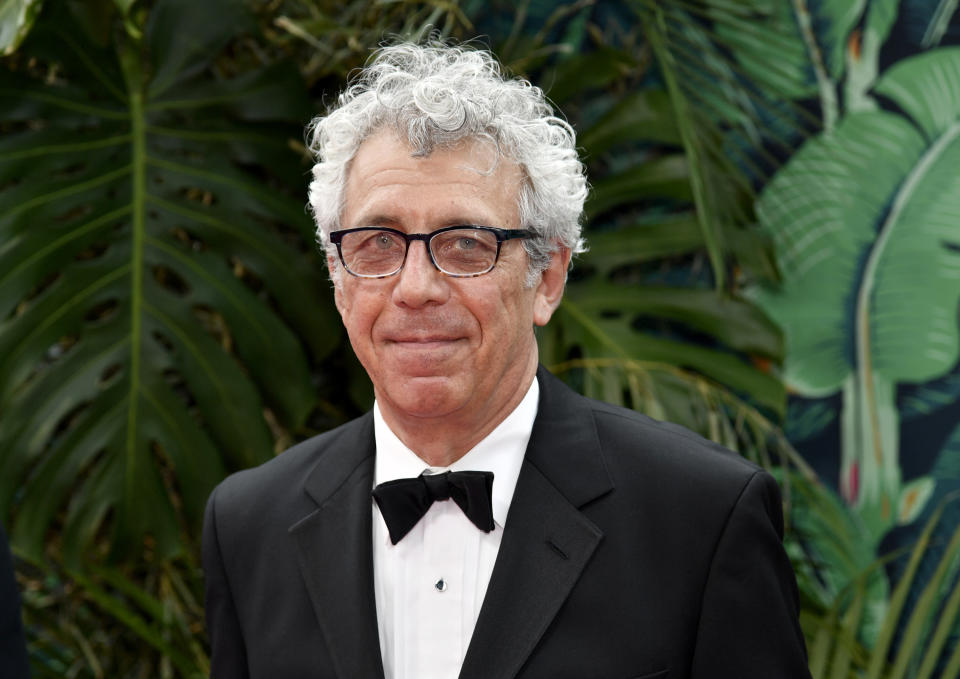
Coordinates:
867 223
808 52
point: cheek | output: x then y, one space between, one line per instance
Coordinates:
506 322
361 310
356 298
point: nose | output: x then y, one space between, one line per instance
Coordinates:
419 282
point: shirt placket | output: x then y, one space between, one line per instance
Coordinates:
441 580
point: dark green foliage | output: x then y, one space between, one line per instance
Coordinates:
160 292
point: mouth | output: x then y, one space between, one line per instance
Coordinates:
432 339
424 356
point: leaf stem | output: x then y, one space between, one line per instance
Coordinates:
877 440
828 93
129 59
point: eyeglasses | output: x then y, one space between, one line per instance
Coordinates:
460 251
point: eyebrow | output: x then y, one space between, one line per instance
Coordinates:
378 220
393 222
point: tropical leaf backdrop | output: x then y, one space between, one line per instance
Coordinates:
774 262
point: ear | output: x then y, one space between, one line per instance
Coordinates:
550 288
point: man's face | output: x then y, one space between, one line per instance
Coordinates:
437 347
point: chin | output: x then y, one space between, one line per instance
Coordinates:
426 397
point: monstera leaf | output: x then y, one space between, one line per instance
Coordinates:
153 284
865 221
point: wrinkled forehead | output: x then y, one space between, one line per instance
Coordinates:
482 153
390 185
468 170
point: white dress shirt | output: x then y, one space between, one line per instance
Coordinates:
429 586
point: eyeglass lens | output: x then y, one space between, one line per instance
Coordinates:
458 251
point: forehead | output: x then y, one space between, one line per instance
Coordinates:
388 183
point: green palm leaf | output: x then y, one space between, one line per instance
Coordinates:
152 285
837 571
806 55
733 125
650 202
859 627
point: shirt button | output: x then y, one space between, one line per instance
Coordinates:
440 585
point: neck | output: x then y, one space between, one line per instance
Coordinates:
443 440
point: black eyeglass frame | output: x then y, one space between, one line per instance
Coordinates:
336 237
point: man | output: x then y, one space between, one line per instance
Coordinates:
606 544
13 647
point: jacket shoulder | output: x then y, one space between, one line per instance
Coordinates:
629 432
274 483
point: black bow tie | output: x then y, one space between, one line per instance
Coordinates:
403 502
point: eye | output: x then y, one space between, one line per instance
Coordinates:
374 241
466 243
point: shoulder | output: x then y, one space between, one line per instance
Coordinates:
679 479
624 432
648 462
671 463
276 484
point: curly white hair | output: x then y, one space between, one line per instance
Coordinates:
436 95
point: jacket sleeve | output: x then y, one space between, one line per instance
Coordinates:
748 624
13 648
228 655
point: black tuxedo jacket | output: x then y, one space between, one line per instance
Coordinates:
13 647
632 549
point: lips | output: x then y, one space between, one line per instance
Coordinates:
432 339
423 356
423 332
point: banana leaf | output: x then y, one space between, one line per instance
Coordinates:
864 220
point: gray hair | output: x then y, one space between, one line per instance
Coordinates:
437 95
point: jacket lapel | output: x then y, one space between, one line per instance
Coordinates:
547 541
335 553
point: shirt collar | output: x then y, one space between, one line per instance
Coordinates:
500 452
